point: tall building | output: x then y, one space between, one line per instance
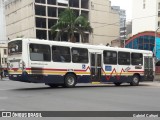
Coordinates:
34 18
3 39
122 20
2 23
146 15
128 29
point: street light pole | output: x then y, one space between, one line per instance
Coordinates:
124 33
155 41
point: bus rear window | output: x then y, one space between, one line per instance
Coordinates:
15 47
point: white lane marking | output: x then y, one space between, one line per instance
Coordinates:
4 89
3 98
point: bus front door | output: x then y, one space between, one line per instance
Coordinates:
96 67
148 68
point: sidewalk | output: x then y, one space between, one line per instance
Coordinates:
5 78
157 78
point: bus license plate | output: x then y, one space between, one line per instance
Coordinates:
14 75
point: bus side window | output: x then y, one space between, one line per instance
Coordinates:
61 54
39 52
79 55
123 58
110 57
137 58
56 56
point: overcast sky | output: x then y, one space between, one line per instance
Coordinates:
124 4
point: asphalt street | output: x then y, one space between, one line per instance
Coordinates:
19 96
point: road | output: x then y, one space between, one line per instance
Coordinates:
32 97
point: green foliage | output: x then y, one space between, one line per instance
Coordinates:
20 36
69 23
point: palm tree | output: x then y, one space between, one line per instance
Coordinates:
69 23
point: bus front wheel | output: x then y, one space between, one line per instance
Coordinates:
70 80
135 80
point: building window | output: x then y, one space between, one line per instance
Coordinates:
159 5
2 61
85 4
5 51
144 4
158 23
110 57
41 34
5 60
40 1
40 22
40 10
52 2
158 13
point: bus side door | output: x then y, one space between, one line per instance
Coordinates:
148 68
96 66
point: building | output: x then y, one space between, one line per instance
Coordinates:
122 20
3 39
3 55
146 15
142 41
2 23
146 41
128 29
34 18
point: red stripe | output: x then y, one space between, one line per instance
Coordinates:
15 69
134 71
46 69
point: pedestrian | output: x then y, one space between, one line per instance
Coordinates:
1 72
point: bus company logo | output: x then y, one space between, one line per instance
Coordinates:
6 114
127 69
83 66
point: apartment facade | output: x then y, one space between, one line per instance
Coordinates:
34 18
2 22
146 15
122 20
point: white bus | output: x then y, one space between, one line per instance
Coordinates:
66 64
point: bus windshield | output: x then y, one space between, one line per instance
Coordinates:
15 47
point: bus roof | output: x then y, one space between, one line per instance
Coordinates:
82 45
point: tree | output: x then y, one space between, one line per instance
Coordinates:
69 23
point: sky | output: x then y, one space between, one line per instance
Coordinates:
124 4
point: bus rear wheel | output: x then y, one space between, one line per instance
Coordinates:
70 80
135 80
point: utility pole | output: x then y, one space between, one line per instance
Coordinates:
124 34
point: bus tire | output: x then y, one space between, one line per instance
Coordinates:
70 80
135 80
117 84
53 85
